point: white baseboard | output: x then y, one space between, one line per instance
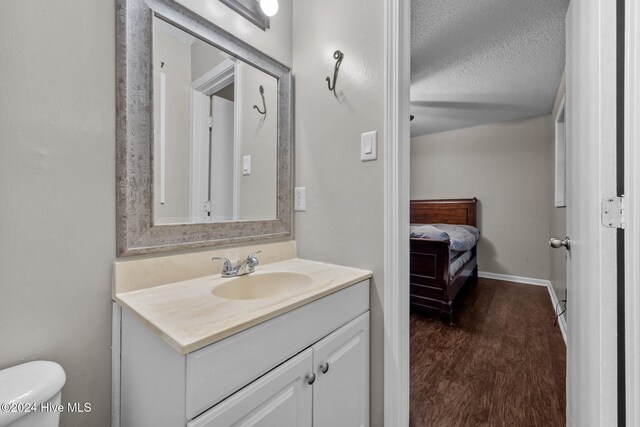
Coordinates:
562 322
516 279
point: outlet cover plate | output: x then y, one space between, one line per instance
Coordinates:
369 146
300 199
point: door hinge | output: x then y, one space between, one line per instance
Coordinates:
207 208
613 212
210 122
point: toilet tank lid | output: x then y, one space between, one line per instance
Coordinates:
33 382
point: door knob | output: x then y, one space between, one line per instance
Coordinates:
324 368
557 243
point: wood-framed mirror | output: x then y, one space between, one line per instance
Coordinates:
204 134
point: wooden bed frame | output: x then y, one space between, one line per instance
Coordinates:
431 288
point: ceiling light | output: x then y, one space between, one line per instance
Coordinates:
269 7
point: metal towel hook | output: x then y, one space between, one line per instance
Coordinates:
264 104
337 55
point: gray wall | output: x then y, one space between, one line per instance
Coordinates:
204 58
508 167
257 137
344 220
57 220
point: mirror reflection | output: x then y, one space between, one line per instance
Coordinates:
215 133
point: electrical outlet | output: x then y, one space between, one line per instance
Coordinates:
299 199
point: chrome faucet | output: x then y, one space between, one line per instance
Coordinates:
246 266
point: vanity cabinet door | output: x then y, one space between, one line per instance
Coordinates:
281 398
341 389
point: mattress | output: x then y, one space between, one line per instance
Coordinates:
457 260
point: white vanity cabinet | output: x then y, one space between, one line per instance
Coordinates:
341 389
306 367
282 397
326 385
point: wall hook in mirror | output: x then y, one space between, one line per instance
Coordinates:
264 104
337 55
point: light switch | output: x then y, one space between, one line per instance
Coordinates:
369 146
246 165
299 196
368 149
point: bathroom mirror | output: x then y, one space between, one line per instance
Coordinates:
215 137
203 134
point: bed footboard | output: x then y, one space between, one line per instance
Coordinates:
429 274
431 287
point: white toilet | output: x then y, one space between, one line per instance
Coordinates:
31 384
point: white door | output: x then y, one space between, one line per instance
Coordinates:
282 398
591 262
341 389
221 189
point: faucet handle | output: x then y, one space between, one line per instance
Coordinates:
228 265
253 259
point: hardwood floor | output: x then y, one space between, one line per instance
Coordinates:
502 364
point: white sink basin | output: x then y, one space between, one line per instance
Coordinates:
265 285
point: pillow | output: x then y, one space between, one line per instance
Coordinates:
428 232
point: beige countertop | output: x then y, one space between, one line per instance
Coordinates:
188 316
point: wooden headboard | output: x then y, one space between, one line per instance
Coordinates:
452 211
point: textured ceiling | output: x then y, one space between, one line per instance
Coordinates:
476 62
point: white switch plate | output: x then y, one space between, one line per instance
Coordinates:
369 146
246 165
299 199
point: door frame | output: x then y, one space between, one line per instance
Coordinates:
209 83
396 213
632 212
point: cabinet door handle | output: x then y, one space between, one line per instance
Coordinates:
324 368
311 378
